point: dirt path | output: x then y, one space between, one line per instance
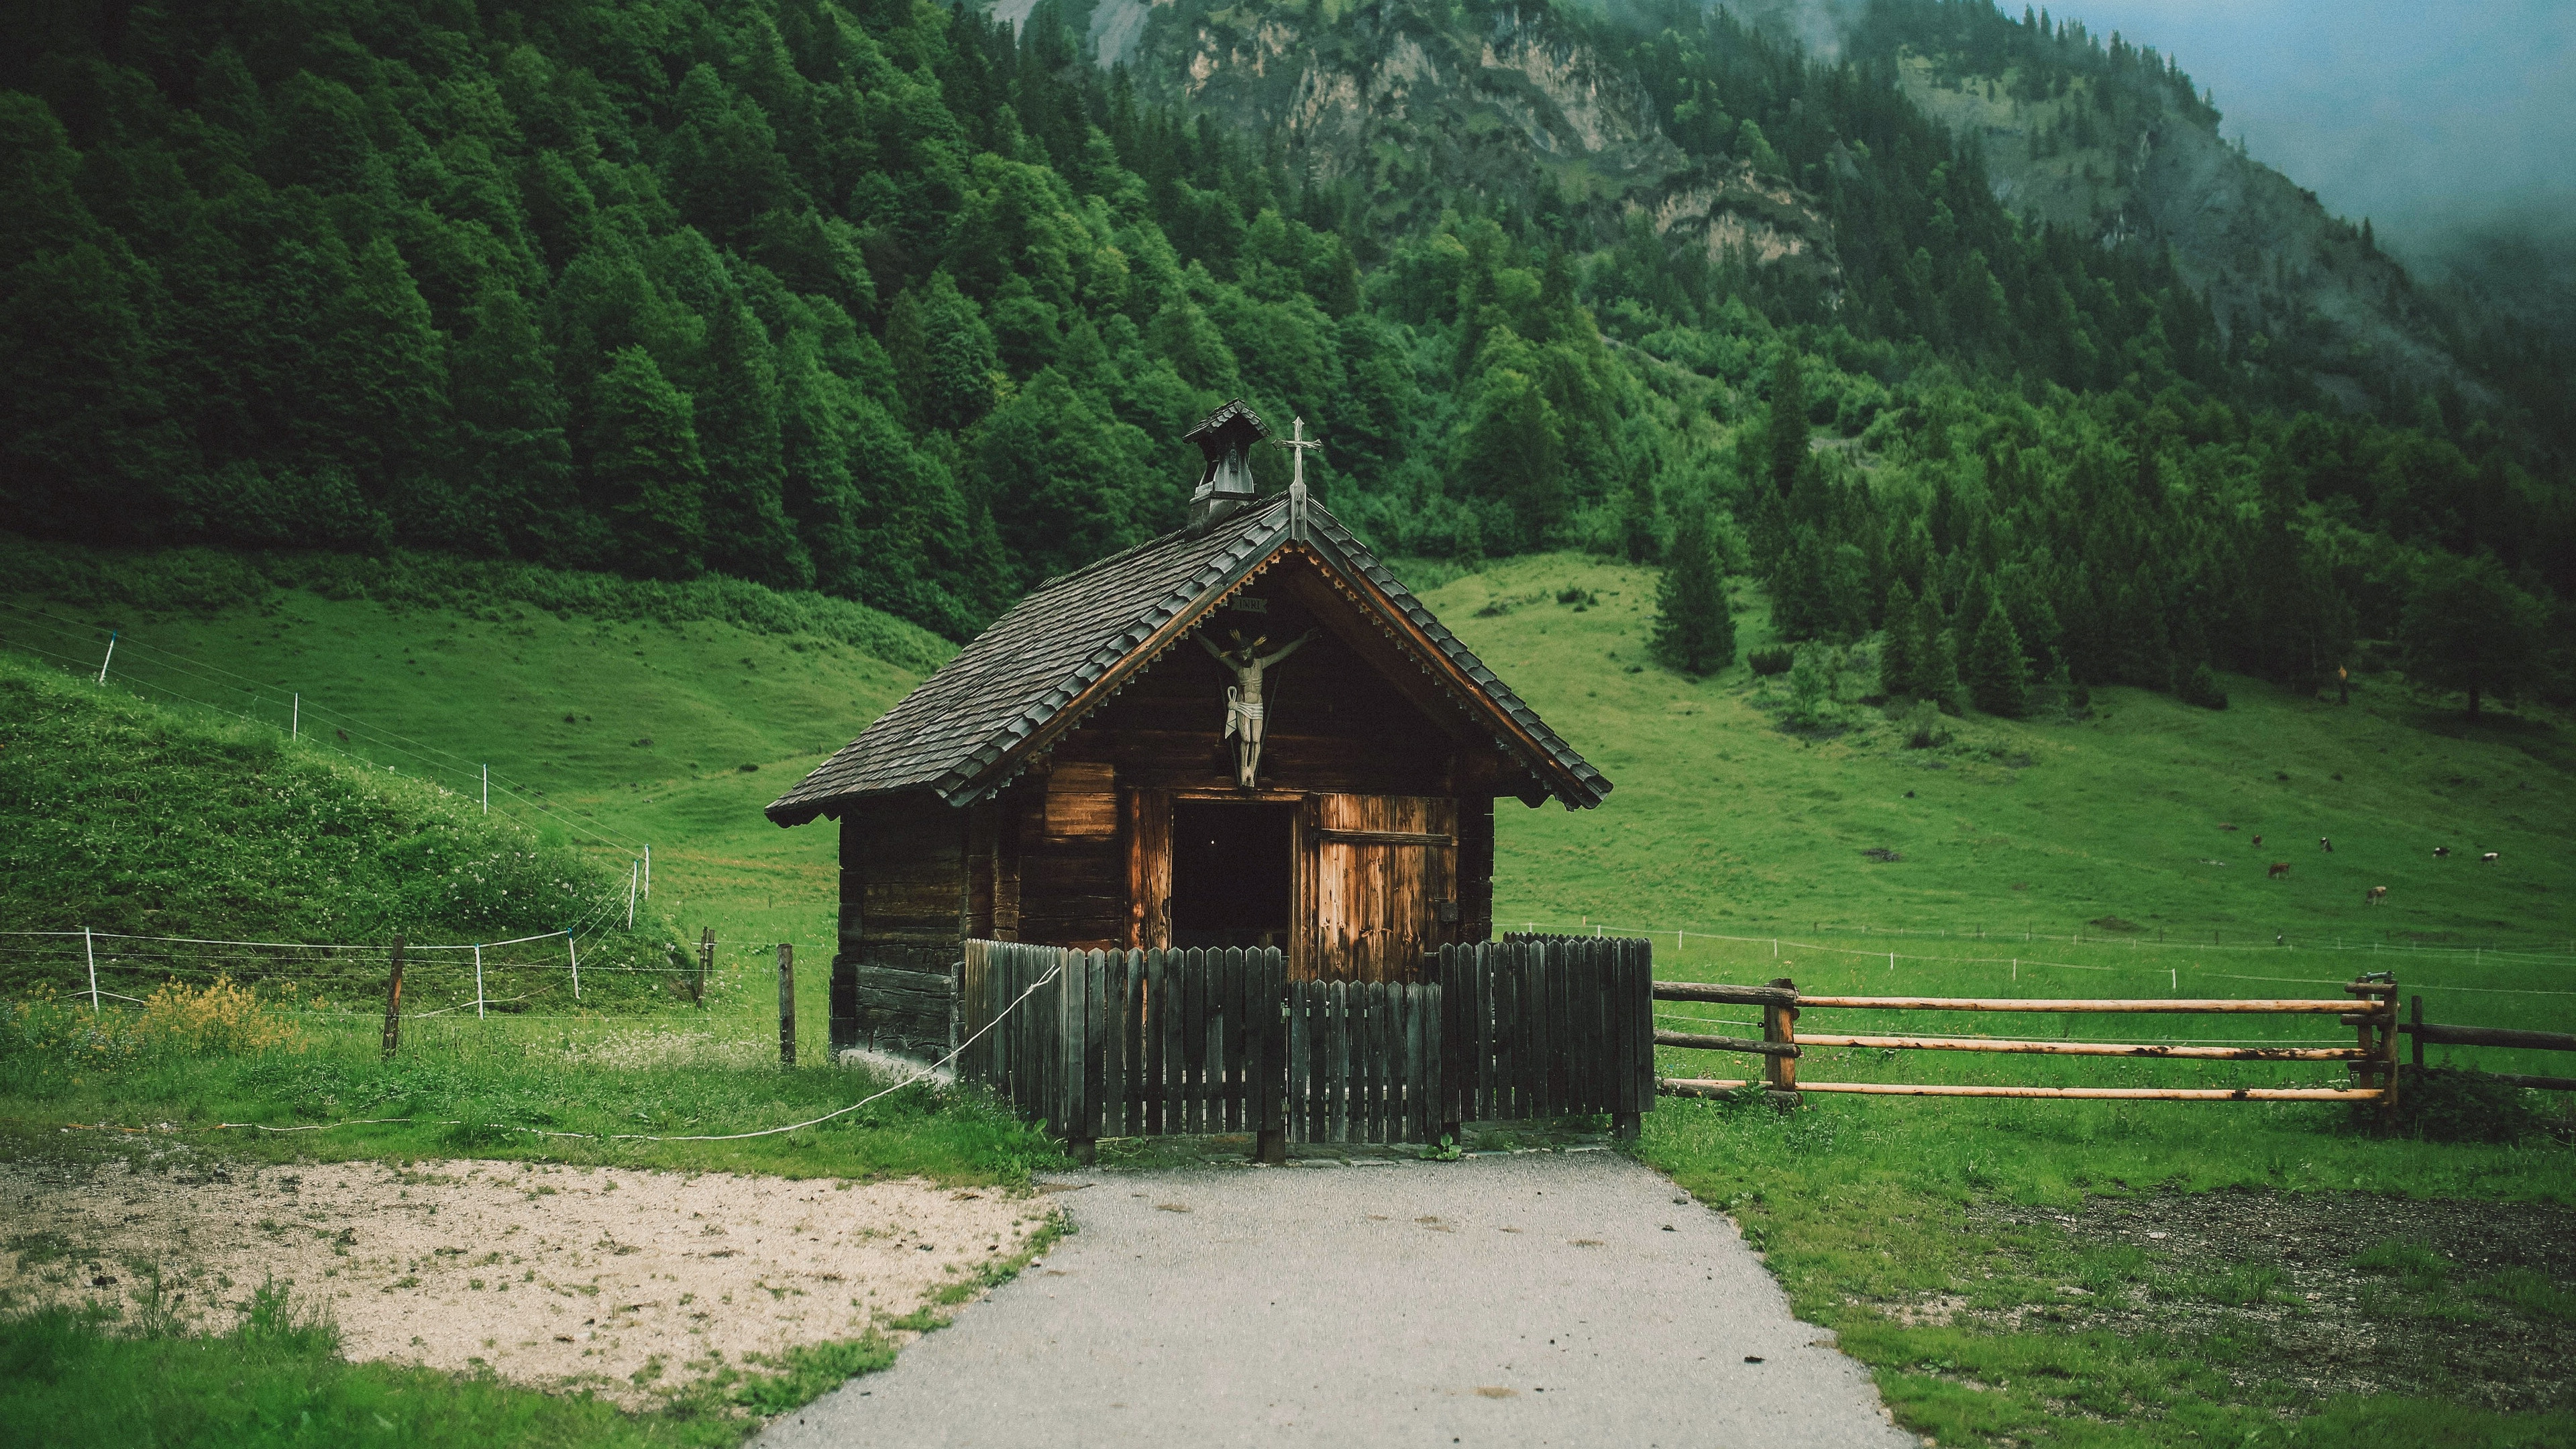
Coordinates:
1548 1298
630 1282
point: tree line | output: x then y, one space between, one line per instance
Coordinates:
909 306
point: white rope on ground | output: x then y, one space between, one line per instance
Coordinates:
923 1075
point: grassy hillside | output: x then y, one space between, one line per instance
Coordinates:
614 735
1722 820
650 718
140 821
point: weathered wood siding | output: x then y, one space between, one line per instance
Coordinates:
904 909
1384 867
1073 878
1078 852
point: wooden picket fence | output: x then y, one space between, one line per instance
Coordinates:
1143 1043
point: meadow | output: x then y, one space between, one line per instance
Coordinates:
2068 854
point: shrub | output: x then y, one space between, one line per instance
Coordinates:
1924 727
222 1018
2455 1104
1767 662
2200 687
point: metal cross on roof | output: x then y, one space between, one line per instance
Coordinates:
1299 445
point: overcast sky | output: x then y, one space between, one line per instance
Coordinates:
2415 114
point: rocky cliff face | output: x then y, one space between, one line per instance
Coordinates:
1403 100
2279 271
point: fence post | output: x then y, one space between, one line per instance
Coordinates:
786 1004
572 947
2388 1055
393 1003
478 983
1267 1036
1629 973
706 959
89 952
1780 1073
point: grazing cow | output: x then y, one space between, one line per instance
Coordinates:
2258 842
2374 895
2326 844
2441 852
2487 859
2279 869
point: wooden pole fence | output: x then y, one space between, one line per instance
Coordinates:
2371 1060
2086 1048
1683 1087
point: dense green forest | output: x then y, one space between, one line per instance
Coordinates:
897 302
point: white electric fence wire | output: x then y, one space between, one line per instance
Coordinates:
373 734
921 1076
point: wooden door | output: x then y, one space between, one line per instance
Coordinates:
1146 823
1384 870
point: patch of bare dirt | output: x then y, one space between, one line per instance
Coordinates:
633 1283
2471 1301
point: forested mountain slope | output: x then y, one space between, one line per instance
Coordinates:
910 305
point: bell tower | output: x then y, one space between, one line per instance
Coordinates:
1225 484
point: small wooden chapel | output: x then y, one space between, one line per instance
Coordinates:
1246 732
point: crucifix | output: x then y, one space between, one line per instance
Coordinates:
1299 445
1243 697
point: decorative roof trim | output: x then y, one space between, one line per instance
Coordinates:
1268 531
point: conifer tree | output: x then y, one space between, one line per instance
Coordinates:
1900 659
644 463
1997 676
510 424
1694 629
388 399
1784 432
1637 517
1936 668
737 413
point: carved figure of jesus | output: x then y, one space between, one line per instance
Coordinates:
1243 697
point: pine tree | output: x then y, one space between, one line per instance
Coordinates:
1637 517
510 424
387 374
1998 678
644 464
1694 629
1784 432
737 413
1900 659
1936 670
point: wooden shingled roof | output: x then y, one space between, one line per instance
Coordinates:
971 728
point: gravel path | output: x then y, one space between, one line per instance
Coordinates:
1543 1298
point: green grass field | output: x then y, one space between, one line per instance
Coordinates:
2082 858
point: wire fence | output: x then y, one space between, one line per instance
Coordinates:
515 976
93 653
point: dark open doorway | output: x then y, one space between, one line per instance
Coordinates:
1232 868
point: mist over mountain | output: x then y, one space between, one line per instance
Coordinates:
2435 121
